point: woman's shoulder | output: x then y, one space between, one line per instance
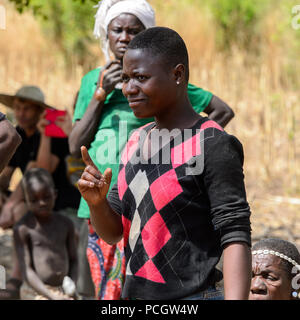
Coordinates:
91 75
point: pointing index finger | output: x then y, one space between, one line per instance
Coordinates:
86 157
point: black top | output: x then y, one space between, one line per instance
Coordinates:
2 116
67 194
178 214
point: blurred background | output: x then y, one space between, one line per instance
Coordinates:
244 51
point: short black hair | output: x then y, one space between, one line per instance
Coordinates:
42 175
164 42
282 246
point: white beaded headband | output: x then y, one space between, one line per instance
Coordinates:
280 255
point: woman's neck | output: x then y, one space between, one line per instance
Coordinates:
180 116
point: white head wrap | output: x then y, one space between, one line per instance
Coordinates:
110 9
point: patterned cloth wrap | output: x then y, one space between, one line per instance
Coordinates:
28 293
107 264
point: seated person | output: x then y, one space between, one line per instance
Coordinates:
275 270
45 241
35 150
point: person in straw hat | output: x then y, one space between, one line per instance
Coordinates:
101 111
35 150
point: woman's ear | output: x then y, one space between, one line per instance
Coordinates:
179 73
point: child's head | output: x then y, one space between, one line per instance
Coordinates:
275 264
39 191
155 71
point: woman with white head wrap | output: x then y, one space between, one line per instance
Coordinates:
110 9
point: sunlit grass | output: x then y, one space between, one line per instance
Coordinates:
261 88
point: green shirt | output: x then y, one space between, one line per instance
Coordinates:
116 124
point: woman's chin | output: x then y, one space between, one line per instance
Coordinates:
141 115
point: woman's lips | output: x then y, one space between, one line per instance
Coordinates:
122 49
135 103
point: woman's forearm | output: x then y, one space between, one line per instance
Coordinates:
237 271
84 130
106 222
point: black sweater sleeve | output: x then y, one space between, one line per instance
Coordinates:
114 199
224 182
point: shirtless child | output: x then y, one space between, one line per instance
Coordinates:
45 241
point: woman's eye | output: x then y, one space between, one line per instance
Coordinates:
141 78
124 79
134 32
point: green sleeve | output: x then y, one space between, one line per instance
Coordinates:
87 88
199 98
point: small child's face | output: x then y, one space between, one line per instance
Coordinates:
40 199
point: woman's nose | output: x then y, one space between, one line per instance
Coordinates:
130 88
257 285
125 37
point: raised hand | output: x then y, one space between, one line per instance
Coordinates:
65 123
93 185
109 76
41 125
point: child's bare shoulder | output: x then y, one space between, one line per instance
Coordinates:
62 219
24 224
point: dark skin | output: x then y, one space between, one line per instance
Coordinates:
121 31
30 117
270 281
9 141
45 242
146 79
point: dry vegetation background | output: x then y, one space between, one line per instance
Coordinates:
262 87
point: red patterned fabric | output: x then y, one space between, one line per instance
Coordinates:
107 264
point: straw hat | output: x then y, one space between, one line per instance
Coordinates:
30 93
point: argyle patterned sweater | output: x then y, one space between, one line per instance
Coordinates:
178 214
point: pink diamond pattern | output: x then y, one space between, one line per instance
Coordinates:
211 124
150 272
130 148
122 184
165 189
155 235
126 229
183 152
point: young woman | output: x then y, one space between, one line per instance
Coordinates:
100 112
177 216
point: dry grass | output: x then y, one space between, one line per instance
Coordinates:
259 89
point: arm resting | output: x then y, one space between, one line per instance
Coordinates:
85 129
219 111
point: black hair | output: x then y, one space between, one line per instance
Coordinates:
163 42
42 175
281 246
